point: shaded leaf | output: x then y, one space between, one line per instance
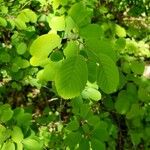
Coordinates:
97 144
108 74
73 139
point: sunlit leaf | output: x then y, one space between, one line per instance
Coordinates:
32 144
5 113
57 23
3 22
20 24
8 146
120 31
91 93
17 135
71 77
44 44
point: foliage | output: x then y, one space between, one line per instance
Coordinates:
89 57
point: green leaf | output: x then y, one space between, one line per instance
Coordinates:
108 102
4 9
122 105
91 31
131 46
3 22
71 77
135 137
120 44
22 119
70 25
143 94
86 129
84 110
100 133
113 130
49 71
24 63
32 144
122 79
93 120
132 90
101 46
44 44
11 23
30 15
76 103
134 112
20 63
92 71
120 31
55 4
71 49
4 134
8 146
73 125
56 56
5 57
63 2
92 85
73 139
125 67
39 61
84 144
108 75
57 23
137 67
91 93
5 113
17 135
147 131
19 146
20 24
83 17
23 17
103 10
21 48
97 144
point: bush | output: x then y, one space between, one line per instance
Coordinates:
74 75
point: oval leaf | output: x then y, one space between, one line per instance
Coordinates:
17 135
71 77
32 144
97 145
108 75
57 23
44 44
91 93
